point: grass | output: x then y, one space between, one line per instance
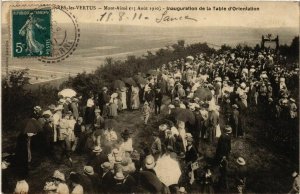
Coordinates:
268 170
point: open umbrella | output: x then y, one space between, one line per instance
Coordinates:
185 115
167 170
153 72
129 81
67 93
110 123
118 84
204 94
190 58
32 126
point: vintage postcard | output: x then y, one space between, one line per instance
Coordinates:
150 97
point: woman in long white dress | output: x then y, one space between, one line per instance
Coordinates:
135 100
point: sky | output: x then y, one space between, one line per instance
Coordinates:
270 14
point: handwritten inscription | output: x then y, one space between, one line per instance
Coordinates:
135 16
167 18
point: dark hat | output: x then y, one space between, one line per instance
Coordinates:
125 133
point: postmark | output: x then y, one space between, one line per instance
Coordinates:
31 32
65 35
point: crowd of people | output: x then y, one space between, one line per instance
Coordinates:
203 91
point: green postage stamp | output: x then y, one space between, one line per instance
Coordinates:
31 32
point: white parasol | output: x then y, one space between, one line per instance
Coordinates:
67 93
167 170
190 58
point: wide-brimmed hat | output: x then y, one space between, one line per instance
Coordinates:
88 170
292 100
228 129
104 89
181 155
241 161
163 127
47 114
75 99
182 190
58 175
106 165
97 149
119 176
149 162
51 107
235 106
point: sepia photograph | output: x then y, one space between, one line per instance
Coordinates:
149 97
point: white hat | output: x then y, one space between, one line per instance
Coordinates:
162 127
97 149
119 176
88 170
58 175
243 85
241 161
47 112
149 162
22 187
182 190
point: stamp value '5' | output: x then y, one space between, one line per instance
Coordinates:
31 32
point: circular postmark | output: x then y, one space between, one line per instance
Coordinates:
65 34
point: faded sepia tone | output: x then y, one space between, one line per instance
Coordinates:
150 97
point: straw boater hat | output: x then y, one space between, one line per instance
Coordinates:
106 165
149 162
228 129
88 170
235 106
51 107
241 161
163 127
182 190
119 176
58 175
97 149
47 114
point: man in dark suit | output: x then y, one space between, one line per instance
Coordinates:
107 178
157 101
191 154
224 144
103 100
129 181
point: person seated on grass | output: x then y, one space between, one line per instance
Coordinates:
110 135
126 144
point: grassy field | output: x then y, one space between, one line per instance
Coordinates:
269 171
